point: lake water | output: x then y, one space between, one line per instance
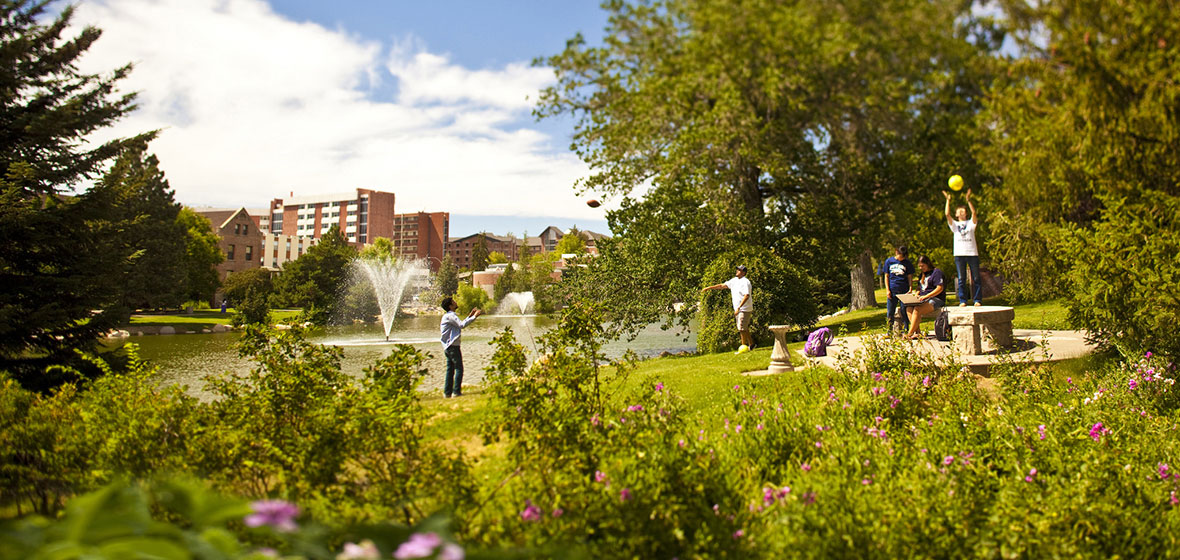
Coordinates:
186 359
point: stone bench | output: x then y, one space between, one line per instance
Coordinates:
978 330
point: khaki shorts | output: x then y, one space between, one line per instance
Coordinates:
743 320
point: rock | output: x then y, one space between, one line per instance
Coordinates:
282 327
167 329
205 331
665 354
220 328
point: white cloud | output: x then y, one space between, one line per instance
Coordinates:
253 106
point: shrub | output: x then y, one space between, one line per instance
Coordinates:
1125 277
782 294
469 297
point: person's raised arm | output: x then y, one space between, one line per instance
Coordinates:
971 205
715 287
950 221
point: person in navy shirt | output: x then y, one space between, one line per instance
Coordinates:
899 271
451 329
932 292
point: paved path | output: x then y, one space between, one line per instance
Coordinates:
1031 347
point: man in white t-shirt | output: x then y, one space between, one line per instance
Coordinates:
966 251
742 292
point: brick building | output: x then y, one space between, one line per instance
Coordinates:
278 249
362 215
241 240
460 248
547 240
422 235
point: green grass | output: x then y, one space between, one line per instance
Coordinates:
202 318
1050 314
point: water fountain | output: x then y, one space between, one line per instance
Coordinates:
516 303
389 277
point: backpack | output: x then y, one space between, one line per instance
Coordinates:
817 342
942 327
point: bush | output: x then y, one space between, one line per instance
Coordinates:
469 297
1027 254
783 294
1125 275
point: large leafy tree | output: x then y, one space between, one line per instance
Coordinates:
480 253
59 276
802 126
315 280
202 253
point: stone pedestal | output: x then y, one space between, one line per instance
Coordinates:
978 330
780 360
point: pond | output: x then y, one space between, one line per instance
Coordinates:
186 359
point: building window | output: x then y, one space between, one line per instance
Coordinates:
246 229
237 229
249 253
229 255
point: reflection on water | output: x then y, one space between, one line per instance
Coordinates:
186 359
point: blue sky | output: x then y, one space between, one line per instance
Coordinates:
429 100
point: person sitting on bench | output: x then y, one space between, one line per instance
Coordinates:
931 294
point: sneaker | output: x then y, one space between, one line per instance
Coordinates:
446 396
978 303
458 395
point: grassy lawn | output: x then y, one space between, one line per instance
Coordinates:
202 318
1042 315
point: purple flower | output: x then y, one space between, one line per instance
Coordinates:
738 429
806 467
558 512
877 376
877 391
420 545
1162 469
1147 355
451 551
600 476
948 459
274 513
659 386
530 512
635 407
767 496
1132 384
1041 431
1174 500
366 550
737 387
809 497
926 381
1097 431
624 494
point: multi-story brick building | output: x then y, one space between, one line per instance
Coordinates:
460 249
547 240
422 235
278 249
363 215
241 240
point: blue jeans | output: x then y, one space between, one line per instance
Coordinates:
454 382
961 265
891 306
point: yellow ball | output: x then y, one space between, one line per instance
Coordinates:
955 182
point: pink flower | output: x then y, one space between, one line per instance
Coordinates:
1174 500
1032 473
1147 355
1162 469
926 381
877 376
558 512
1132 384
806 467
760 427
594 421
948 459
819 444
1097 431
420 545
530 512
739 534
767 496
877 391
273 513
737 387
1041 431
600 476
743 402
681 443
624 494
866 481
635 408
659 386
366 550
738 429
451 551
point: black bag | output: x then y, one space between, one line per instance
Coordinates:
942 326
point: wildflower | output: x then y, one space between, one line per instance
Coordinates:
926 381
273 513
1097 431
866 481
659 386
451 551
1147 355
767 496
365 550
530 513
558 512
948 459
716 509
1032 473
420 545
783 493
1162 469
739 534
681 443
1174 500
1041 431
738 429
877 376
595 421
760 427
806 467
635 408
819 444
1132 384
743 402
877 391
809 498
624 494
737 387
600 476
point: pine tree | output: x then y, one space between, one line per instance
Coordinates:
479 254
60 277
447 279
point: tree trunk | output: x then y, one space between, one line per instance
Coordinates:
863 287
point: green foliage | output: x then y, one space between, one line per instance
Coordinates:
249 291
1125 283
202 253
506 283
496 257
446 281
380 248
57 270
782 295
470 297
571 243
1029 254
315 280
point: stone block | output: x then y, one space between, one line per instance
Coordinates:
167 329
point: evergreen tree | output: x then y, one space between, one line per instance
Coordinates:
479 254
446 281
60 277
506 283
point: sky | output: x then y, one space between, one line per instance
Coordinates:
430 100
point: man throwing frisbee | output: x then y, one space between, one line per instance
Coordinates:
966 251
741 291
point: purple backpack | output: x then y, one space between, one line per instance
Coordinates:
817 342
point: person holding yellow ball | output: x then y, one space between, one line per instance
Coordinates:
966 252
